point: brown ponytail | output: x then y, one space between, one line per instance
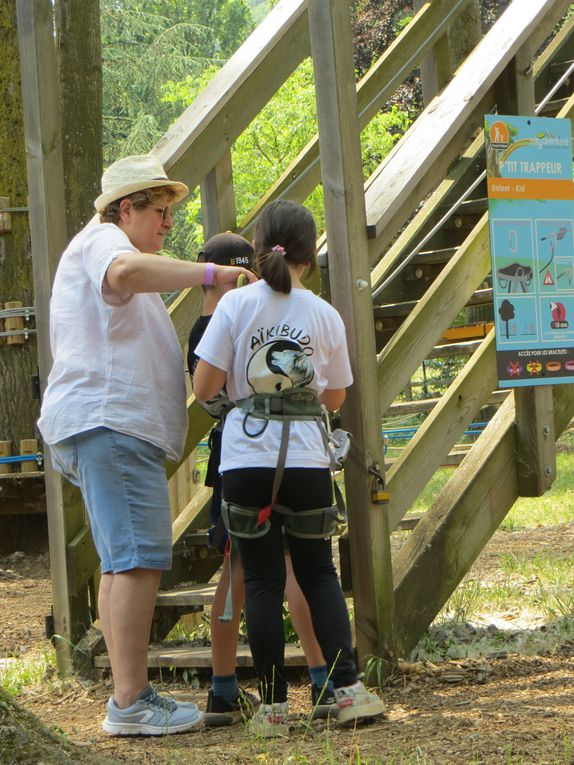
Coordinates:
285 233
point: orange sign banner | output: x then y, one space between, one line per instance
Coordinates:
530 188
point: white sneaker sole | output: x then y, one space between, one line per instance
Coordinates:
139 729
270 730
356 712
325 712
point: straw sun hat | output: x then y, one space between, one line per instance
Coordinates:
134 174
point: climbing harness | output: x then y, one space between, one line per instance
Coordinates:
315 523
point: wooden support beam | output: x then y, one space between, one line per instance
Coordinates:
454 530
200 423
81 559
434 439
435 66
515 85
535 440
468 510
218 198
190 512
428 404
48 234
331 41
435 311
184 311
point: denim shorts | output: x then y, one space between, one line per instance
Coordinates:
124 486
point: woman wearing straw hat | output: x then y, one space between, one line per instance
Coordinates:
115 408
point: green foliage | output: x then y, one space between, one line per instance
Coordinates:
273 140
375 25
402 19
147 42
260 8
380 135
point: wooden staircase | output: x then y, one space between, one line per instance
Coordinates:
407 199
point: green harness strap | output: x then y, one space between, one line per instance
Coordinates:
253 522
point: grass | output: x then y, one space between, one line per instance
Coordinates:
18 674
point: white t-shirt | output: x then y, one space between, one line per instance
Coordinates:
266 342
117 360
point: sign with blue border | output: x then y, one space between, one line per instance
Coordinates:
531 217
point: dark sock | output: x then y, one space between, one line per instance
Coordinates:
226 686
320 676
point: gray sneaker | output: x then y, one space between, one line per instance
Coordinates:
153 715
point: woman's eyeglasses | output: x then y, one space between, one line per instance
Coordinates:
166 212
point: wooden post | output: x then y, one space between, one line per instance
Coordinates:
218 198
28 446
331 44
435 66
14 323
535 438
5 451
48 234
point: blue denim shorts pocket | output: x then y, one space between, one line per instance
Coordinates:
65 459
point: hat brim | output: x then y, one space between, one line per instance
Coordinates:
181 191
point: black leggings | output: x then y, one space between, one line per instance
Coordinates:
264 572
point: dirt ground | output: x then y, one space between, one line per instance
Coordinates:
508 710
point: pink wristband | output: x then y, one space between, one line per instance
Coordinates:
209 275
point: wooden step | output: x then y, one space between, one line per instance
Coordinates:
480 297
551 108
427 404
189 595
473 207
451 460
187 656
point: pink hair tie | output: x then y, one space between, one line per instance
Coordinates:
278 248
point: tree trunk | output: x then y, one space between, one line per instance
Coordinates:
18 412
25 740
80 86
464 33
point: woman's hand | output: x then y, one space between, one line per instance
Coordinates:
230 274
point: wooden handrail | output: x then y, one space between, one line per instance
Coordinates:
439 134
459 173
197 140
405 53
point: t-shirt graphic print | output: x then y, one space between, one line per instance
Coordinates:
277 366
